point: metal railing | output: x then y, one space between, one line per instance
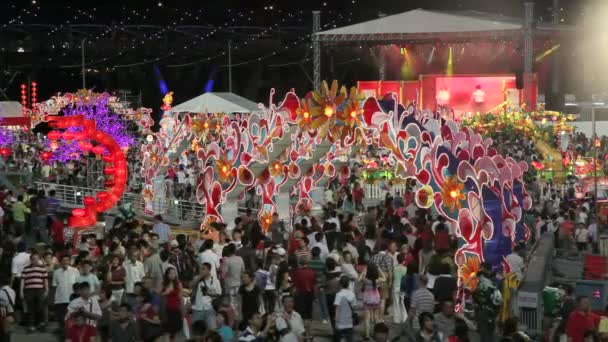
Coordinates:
375 192
176 211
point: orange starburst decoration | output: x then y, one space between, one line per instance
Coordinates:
469 273
451 193
305 113
351 114
326 101
276 168
200 126
266 220
223 169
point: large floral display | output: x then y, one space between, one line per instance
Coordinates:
458 170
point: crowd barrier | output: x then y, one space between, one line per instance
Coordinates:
181 212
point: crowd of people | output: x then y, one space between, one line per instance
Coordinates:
392 264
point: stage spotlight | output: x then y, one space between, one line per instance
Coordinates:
430 59
450 68
547 53
407 68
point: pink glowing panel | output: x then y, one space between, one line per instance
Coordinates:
471 94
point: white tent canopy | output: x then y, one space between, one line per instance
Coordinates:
217 103
10 109
419 21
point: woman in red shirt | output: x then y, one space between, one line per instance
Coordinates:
172 294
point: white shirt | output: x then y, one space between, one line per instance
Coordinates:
135 273
202 302
593 232
582 235
296 323
323 248
7 298
91 305
20 261
342 311
582 217
517 265
209 256
334 220
181 177
63 281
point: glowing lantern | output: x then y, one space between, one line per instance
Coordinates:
67 135
306 115
544 121
108 158
328 111
5 152
353 114
597 142
46 156
453 194
98 150
85 146
54 145
108 171
54 135
88 201
78 212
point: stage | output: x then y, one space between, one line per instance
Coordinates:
455 97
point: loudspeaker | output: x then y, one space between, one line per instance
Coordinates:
554 101
519 80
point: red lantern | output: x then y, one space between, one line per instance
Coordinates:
88 201
98 150
108 171
67 135
46 156
108 158
80 135
85 146
102 196
78 212
54 135
5 152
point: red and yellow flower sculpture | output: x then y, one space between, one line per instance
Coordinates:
469 273
451 193
223 169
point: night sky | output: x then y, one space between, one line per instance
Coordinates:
137 46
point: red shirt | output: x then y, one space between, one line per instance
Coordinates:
57 231
579 323
173 299
304 279
442 241
358 194
83 333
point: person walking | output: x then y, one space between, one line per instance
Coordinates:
64 279
34 289
205 288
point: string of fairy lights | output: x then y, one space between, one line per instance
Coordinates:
129 20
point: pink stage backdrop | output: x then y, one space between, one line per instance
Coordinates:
461 89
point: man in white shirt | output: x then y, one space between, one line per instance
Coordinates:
205 288
134 270
64 279
20 261
209 256
516 262
296 323
86 304
344 301
319 241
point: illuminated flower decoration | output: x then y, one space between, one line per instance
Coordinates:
200 126
351 114
451 193
223 170
276 169
265 220
326 104
469 273
305 113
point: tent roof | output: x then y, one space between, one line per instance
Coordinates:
423 21
424 24
217 103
